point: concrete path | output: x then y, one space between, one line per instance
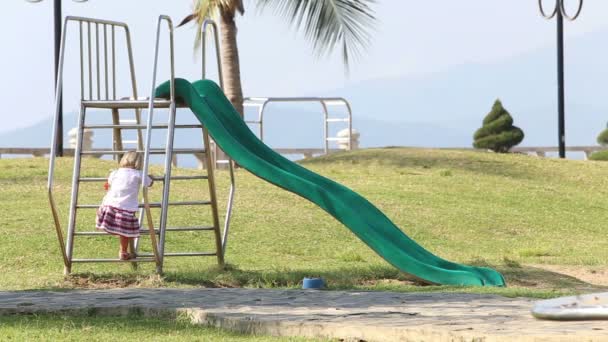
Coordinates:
368 316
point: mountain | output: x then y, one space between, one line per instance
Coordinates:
441 109
290 130
460 97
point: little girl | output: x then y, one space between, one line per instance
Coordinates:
116 215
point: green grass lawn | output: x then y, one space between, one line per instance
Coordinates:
131 328
511 212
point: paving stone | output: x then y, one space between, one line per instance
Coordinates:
348 315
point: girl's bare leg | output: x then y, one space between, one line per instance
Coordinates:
124 244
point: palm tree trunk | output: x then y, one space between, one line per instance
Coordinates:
230 61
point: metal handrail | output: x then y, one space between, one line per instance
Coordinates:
228 208
262 102
204 29
157 247
148 139
210 23
106 61
59 89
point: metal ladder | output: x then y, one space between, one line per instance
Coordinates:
114 104
118 142
220 238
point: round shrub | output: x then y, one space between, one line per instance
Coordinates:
498 133
599 155
602 139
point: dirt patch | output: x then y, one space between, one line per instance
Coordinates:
578 279
592 275
92 281
392 282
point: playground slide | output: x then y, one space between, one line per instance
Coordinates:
212 108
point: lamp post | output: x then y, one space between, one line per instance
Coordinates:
57 27
559 12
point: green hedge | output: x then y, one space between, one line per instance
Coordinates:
600 155
602 139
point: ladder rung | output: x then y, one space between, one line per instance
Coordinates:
185 254
92 233
128 121
132 142
181 178
152 204
179 229
92 179
185 229
338 120
146 231
152 151
187 203
155 178
141 258
125 104
139 126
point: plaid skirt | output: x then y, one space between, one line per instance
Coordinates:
117 221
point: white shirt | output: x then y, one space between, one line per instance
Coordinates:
124 189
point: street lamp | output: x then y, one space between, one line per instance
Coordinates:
57 15
559 12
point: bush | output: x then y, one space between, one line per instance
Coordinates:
498 133
600 155
602 139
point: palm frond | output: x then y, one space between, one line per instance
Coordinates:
209 9
329 24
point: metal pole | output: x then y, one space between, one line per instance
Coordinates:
57 14
559 11
57 28
561 129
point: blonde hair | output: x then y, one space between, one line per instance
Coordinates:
131 160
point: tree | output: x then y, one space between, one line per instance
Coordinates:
602 139
497 132
327 24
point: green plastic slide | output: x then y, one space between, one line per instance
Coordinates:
230 132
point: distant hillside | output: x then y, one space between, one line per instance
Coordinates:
291 129
434 110
461 96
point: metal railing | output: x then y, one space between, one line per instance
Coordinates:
306 152
262 102
540 151
206 24
210 23
59 87
98 90
221 237
158 249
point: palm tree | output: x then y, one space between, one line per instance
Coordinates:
327 24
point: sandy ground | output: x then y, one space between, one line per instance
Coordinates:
589 274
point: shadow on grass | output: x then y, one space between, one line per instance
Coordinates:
233 277
534 277
521 280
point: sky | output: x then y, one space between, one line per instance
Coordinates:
410 38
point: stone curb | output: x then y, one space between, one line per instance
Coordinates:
346 315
